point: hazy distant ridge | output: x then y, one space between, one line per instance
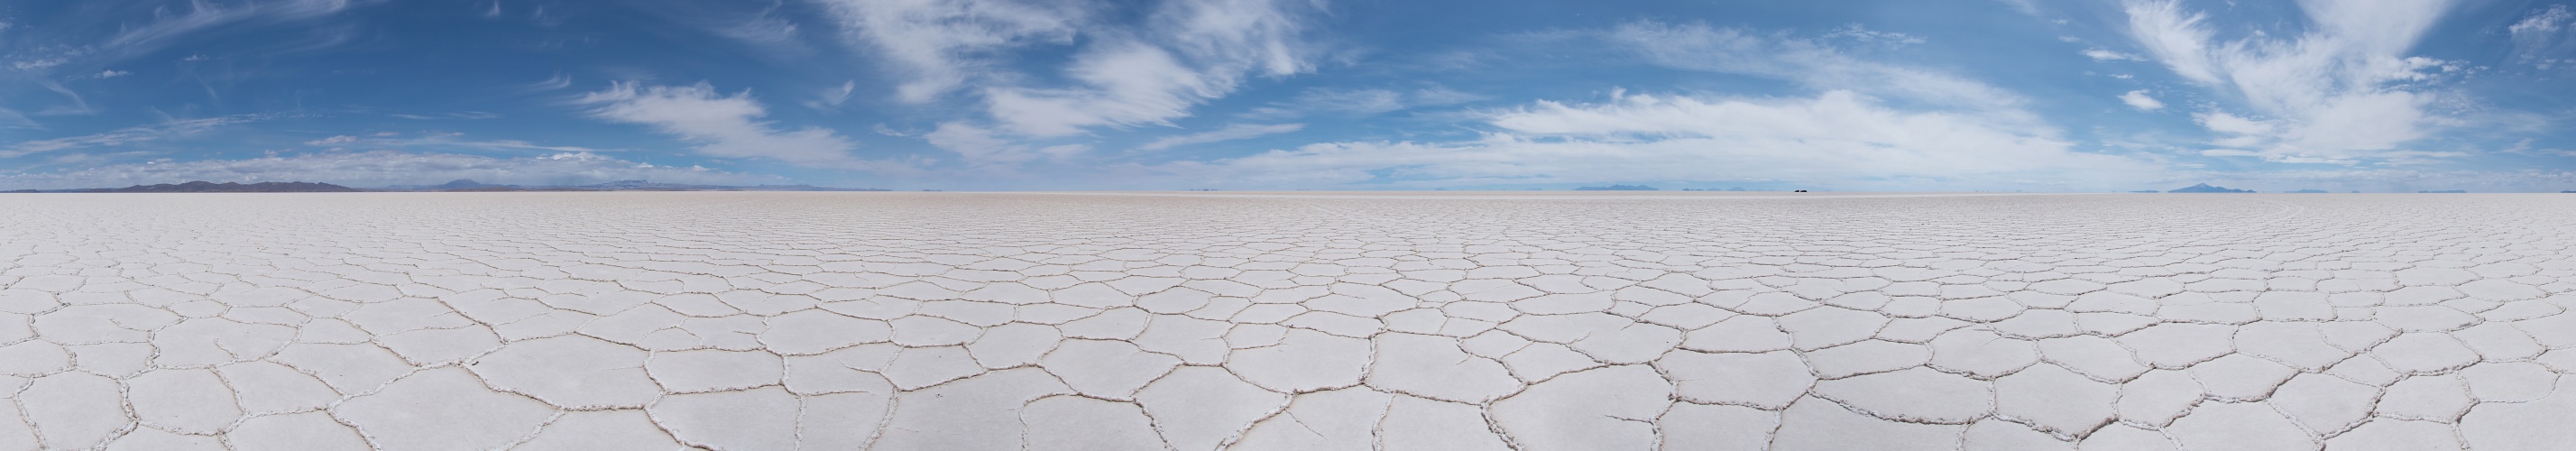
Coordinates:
459 185
211 187
2205 188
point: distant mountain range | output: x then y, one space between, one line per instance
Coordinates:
1617 188
211 187
459 185
2205 188
621 185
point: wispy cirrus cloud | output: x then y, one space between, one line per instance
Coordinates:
127 136
2545 38
939 45
1363 101
1229 133
2102 54
1953 132
1839 139
379 168
1810 62
442 140
721 125
982 147
2343 90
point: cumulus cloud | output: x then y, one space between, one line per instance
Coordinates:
2140 100
2342 90
1122 71
379 168
721 125
1229 133
1191 51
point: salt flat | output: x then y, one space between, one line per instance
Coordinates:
1286 321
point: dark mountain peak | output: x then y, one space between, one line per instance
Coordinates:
2205 188
461 184
202 186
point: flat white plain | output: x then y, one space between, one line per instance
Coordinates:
1286 321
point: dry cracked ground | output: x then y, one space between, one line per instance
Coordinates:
909 321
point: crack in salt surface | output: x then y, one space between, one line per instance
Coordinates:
1284 320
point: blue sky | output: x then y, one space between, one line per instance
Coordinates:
2079 95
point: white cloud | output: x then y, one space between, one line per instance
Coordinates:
77 107
1191 51
1838 138
2101 54
766 28
1229 133
2025 7
442 140
124 136
1808 62
14 119
2546 38
1951 132
332 141
1127 83
2393 180
2219 121
723 126
2344 89
2541 24
830 99
36 64
559 81
1857 33
980 147
939 43
2140 100
1122 72
2177 39
202 15
1361 102
380 168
